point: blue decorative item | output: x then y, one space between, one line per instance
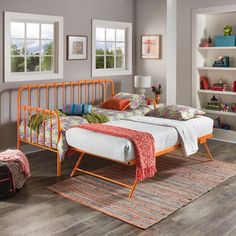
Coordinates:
226 61
77 109
222 62
225 41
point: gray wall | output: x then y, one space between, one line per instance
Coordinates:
184 41
151 19
77 20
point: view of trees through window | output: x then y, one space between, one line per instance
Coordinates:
32 47
110 48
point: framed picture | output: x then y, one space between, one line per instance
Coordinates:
151 46
77 47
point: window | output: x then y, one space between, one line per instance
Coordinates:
111 48
33 47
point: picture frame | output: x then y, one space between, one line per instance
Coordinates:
151 46
77 47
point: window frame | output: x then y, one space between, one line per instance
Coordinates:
57 73
127 70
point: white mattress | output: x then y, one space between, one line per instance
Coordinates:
122 149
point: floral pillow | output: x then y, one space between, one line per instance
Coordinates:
136 100
176 112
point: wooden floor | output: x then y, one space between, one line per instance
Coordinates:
37 211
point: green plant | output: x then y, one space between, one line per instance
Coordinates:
157 90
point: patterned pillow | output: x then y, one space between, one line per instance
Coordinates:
176 112
136 100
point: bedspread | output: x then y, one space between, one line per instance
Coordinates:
69 122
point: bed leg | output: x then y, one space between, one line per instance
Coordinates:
133 189
210 158
77 164
58 165
18 144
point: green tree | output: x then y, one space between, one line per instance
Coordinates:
47 59
17 62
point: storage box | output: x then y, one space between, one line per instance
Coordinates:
225 41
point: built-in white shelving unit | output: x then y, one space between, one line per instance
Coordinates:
210 22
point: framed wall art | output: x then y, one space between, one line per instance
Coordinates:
77 47
151 46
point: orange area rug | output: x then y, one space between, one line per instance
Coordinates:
178 182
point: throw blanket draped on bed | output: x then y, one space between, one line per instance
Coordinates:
186 131
143 144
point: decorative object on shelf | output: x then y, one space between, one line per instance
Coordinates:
204 84
225 41
228 30
233 107
222 62
213 104
158 91
206 42
226 107
220 125
142 82
77 47
151 46
220 86
234 86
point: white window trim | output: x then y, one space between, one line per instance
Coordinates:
128 59
33 76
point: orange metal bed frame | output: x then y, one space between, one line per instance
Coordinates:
201 140
45 98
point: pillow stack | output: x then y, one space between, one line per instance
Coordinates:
136 100
122 101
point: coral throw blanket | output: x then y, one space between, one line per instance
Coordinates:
143 145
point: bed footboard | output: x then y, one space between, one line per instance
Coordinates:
28 134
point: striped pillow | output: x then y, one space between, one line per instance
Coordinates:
77 109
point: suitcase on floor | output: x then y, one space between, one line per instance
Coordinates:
6 182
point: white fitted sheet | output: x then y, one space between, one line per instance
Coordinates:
121 149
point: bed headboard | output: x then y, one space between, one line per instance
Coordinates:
55 95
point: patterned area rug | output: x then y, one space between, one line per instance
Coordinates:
178 182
